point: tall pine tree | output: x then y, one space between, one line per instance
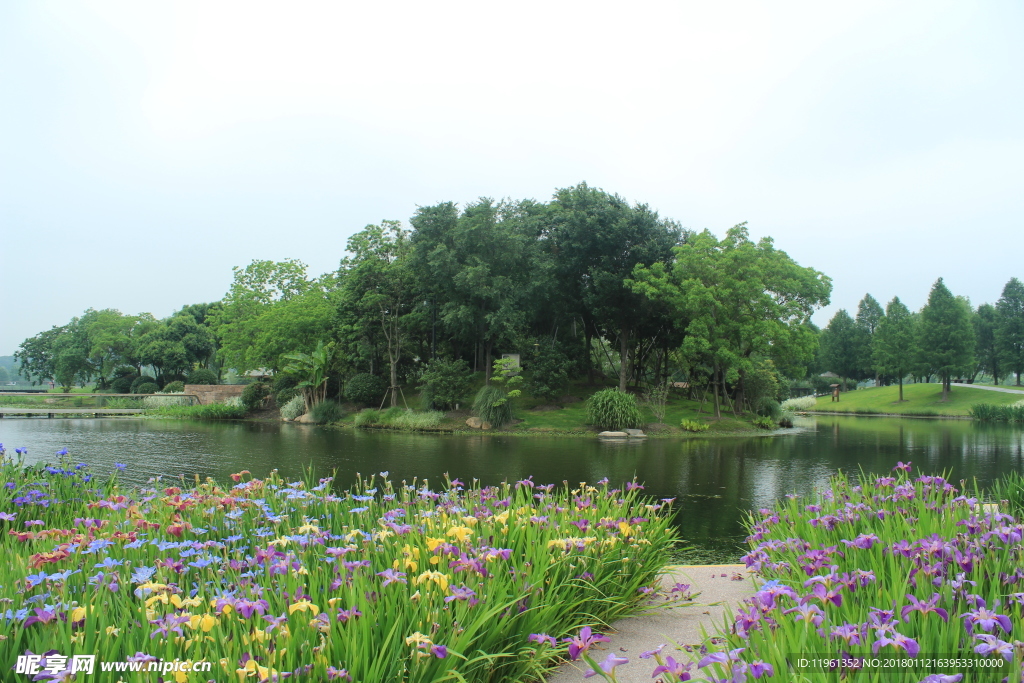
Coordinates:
894 346
947 337
1010 326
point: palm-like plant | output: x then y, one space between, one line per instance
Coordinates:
313 367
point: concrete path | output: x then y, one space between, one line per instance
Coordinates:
1002 389
719 585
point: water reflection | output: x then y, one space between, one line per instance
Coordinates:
715 481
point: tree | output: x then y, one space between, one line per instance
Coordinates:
1010 326
869 315
894 347
986 340
478 267
381 285
313 368
947 338
600 240
840 345
271 309
738 300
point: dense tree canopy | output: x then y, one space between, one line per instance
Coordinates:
585 284
738 300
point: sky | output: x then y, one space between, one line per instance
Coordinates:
146 149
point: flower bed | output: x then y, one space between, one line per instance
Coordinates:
900 579
266 579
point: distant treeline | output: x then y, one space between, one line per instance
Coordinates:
947 338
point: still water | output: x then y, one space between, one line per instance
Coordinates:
714 481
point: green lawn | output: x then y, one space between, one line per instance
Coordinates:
572 417
919 399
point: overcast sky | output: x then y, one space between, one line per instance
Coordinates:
148 147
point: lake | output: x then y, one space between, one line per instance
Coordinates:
714 481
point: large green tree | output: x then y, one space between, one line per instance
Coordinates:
841 345
380 286
895 342
869 315
986 340
739 300
272 309
1010 326
599 240
946 335
478 268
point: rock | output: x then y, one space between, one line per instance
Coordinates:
474 422
636 433
614 435
485 425
305 418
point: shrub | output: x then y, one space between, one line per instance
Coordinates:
293 408
166 399
326 412
174 387
367 417
365 389
139 381
408 419
208 411
285 395
445 383
146 388
799 403
124 371
491 405
254 395
765 422
123 385
694 425
549 374
768 407
997 413
786 420
202 376
613 409
284 380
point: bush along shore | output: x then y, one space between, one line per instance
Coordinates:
268 579
888 578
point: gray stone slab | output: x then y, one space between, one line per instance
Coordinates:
679 625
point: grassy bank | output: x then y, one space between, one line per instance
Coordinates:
268 579
566 416
919 399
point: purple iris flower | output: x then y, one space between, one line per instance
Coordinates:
583 642
608 665
898 640
924 607
541 638
439 651
943 678
392 576
853 634
992 645
808 613
678 670
460 593
721 657
986 619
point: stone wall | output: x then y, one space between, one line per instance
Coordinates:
214 393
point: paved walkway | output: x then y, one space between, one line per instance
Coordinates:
719 585
1002 389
